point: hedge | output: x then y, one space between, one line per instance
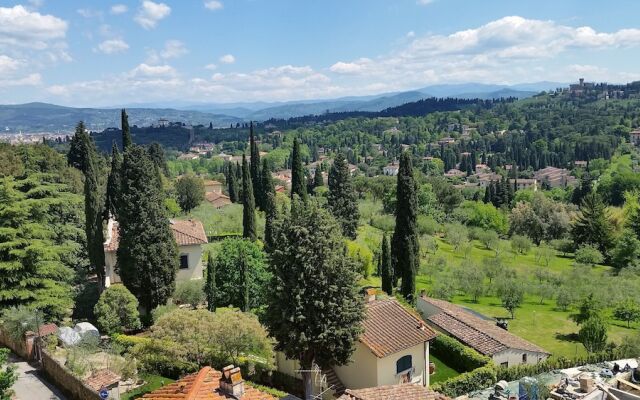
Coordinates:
456 354
478 379
127 341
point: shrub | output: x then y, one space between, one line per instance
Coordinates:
461 357
520 244
126 341
427 225
489 239
588 255
159 311
479 378
17 320
117 310
189 292
362 256
384 222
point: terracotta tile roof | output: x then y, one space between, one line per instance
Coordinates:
102 378
393 392
482 335
186 233
204 385
390 328
217 199
48 329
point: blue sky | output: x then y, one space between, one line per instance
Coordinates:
99 53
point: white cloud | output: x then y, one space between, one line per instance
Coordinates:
23 28
151 13
173 49
145 70
119 9
213 5
227 59
113 46
424 2
350 67
33 79
210 67
411 34
36 3
8 64
89 13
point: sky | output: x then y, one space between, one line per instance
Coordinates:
105 53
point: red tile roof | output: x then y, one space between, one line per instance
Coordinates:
186 233
393 392
480 334
48 329
102 378
390 328
217 199
204 385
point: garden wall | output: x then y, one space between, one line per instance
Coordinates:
62 378
24 349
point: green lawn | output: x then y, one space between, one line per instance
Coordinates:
443 371
153 382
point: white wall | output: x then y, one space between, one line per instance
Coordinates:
195 270
387 365
362 371
514 357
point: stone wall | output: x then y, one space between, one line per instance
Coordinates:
62 378
23 348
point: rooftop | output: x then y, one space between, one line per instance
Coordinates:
390 328
482 335
186 232
203 385
393 392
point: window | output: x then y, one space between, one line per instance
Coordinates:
504 364
524 358
403 364
184 261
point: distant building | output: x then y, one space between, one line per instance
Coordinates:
580 163
523 184
391 169
485 179
483 335
211 186
455 173
217 199
634 136
446 140
189 235
554 177
405 391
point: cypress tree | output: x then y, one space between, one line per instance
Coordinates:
256 177
93 209
147 252
244 270
385 266
405 249
592 225
113 183
126 132
342 199
317 178
210 284
232 185
297 173
248 204
269 204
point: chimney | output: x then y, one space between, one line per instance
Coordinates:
231 382
370 295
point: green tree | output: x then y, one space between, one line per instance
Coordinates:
589 307
520 244
588 255
210 288
489 239
93 208
189 292
248 204
126 131
256 174
270 209
8 376
405 248
298 186
627 250
80 148
156 152
313 281
113 183
385 266
342 199
147 253
473 282
190 192
318 181
592 225
627 310
38 237
240 267
232 184
511 294
593 334
117 310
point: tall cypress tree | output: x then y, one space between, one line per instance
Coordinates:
147 252
248 204
94 212
210 284
232 184
270 210
244 270
317 178
256 176
385 266
342 199
113 183
297 173
126 131
405 248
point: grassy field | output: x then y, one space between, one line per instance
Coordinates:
443 371
153 382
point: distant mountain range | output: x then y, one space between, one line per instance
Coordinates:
43 117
